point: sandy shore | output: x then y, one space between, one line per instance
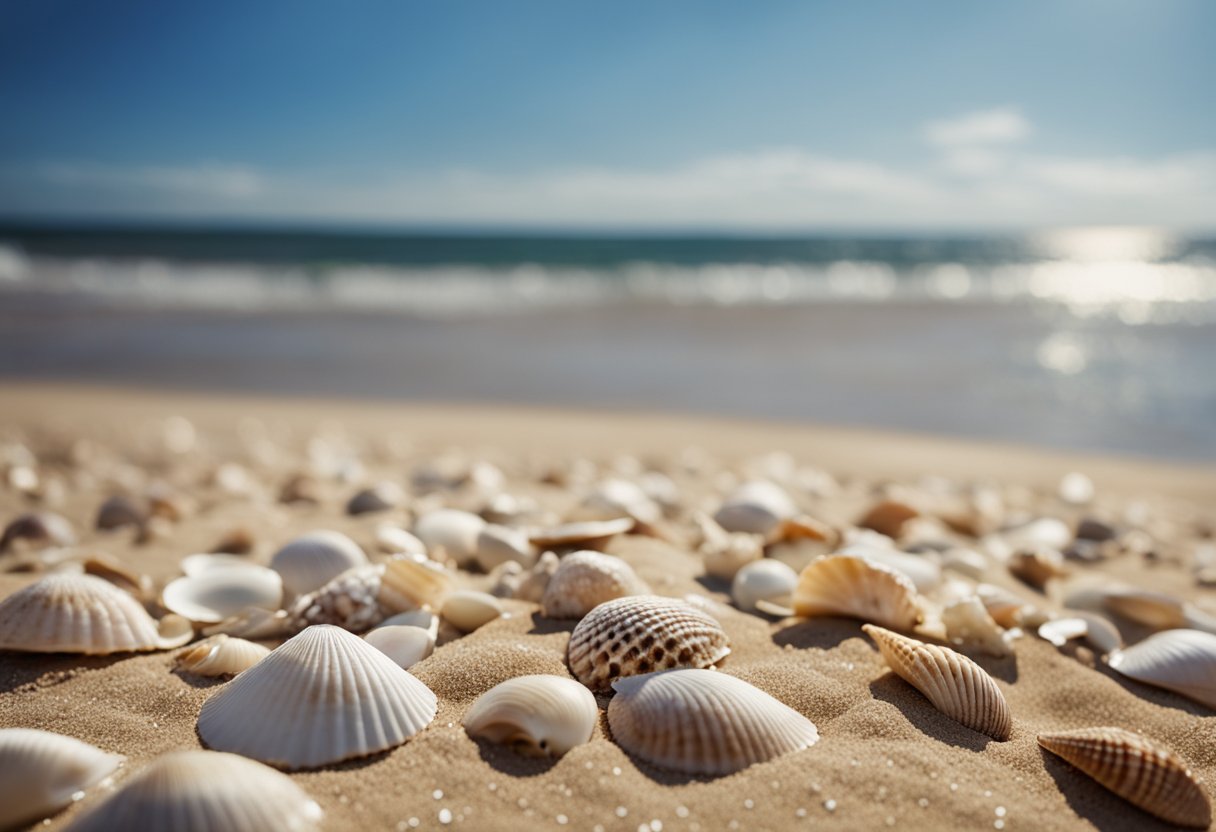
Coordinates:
886 758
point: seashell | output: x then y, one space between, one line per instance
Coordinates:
725 553
1004 607
639 634
1037 566
300 488
617 498
540 716
922 570
467 610
1152 609
856 587
1183 661
1059 631
506 579
201 791
423 619
1090 528
380 497
1079 624
74 613
589 533
195 565
532 586
216 594
220 655
1045 531
454 531
41 529
119 511
702 722
322 697
310 561
44 772
404 644
966 562
1075 488
1142 772
888 517
968 624
393 540
957 686
585 579
238 541
763 580
113 570
498 544
756 507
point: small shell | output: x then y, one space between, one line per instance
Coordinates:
589 533
1004 607
220 655
1137 769
467 610
117 512
111 569
1037 566
312 560
423 619
532 586
1074 624
194 565
763 580
1183 661
725 553
404 644
968 624
322 697
454 531
380 497
393 540
888 517
44 772
42 529
1059 631
957 686
584 580
201 791
214 595
703 722
756 507
857 588
498 544
616 498
639 634
541 716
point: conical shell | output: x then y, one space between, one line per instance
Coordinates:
322 697
957 686
584 580
703 722
639 634
215 594
541 716
763 580
313 560
203 791
1183 661
74 613
857 588
220 655
1140 771
44 772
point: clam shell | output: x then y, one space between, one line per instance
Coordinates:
639 634
423 619
454 531
322 697
1183 661
763 580
703 722
497 545
957 686
467 610
1037 566
756 507
220 655
404 644
393 540
215 594
202 791
541 716
314 559
193 565
120 511
586 533
74 613
584 580
888 517
856 587
1137 769
44 772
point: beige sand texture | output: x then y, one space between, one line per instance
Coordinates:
886 757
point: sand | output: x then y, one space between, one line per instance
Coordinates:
886 758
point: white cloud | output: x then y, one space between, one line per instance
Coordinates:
1002 125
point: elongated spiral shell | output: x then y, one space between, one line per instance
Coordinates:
43 772
541 716
856 587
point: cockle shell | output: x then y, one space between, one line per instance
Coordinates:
322 697
639 634
763 580
202 791
74 613
584 580
404 644
312 560
220 655
755 507
541 716
1137 769
498 544
703 722
467 610
216 594
44 772
957 686
454 531
42 528
856 587
589 533
1183 661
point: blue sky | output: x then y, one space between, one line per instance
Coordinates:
758 116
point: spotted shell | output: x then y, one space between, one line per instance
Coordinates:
1183 661
220 655
310 561
541 716
586 579
44 772
856 587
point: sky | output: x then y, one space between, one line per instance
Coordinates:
754 116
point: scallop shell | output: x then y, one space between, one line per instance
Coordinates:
42 528
497 545
216 594
763 580
584 580
467 610
201 791
313 560
590 533
856 587
454 531
922 570
220 655
74 613
1183 661
957 686
756 507
1137 769
640 634
322 697
541 716
404 644
44 772
703 722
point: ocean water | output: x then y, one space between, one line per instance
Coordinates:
1094 339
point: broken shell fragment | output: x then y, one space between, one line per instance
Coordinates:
467 610
310 561
855 587
1183 661
44 772
968 624
583 580
763 580
216 594
540 716
1037 566
220 655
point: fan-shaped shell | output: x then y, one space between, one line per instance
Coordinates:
541 716
755 507
763 580
202 791
639 634
1137 769
1183 661
856 587
922 570
404 644
322 697
703 722
44 772
590 533
467 610
454 531
957 686
314 559
220 655
584 580
74 613
215 594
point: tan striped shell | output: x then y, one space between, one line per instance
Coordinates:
856 587
1140 771
220 655
957 686
640 634
584 580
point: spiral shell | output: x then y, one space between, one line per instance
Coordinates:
586 579
312 560
220 655
541 716
44 772
1183 661
856 587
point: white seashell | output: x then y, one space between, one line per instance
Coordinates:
1183 661
74 613
968 624
616 498
394 540
857 588
1100 632
404 644
756 507
541 716
310 561
454 531
965 562
584 580
703 722
922 570
44 772
467 610
216 594
589 533
1075 488
193 565
763 580
220 655
1059 631
497 545
532 586
202 791
423 619
324 696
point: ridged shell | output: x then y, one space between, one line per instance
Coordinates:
1140 771
763 580
215 594
453 531
204 791
220 655
1183 661
404 644
922 570
322 697
703 722
957 686
855 587
584 580
541 716
467 610
74 613
640 634
44 772
314 559
586 533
